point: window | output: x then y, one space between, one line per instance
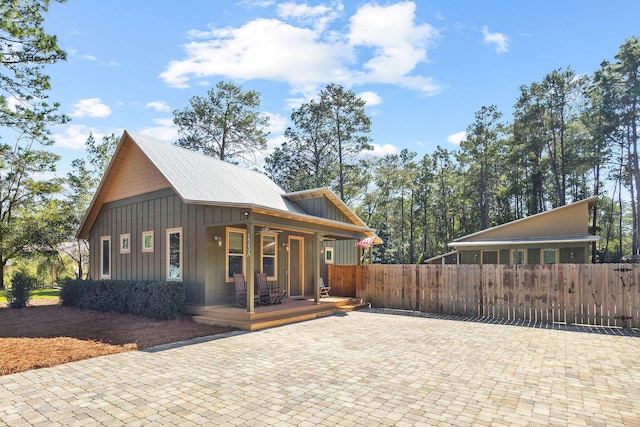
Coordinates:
269 252
236 251
549 256
328 255
125 243
490 257
105 256
147 241
518 256
174 254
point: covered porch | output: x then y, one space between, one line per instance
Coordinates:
267 316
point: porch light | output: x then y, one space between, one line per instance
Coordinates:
219 240
285 245
246 215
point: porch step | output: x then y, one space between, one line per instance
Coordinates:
276 315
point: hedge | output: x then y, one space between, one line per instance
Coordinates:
158 300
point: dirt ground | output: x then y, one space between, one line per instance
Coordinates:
47 334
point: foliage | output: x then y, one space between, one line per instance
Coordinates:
27 201
322 146
572 136
21 286
225 124
48 267
158 300
24 50
99 156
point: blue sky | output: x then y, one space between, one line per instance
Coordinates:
424 67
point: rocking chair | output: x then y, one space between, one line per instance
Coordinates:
241 291
269 295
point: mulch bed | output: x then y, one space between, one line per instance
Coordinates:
47 334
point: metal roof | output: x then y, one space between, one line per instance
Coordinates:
198 178
333 197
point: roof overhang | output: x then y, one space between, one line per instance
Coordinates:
309 219
333 198
437 257
526 242
590 201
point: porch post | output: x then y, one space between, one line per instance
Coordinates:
250 268
316 268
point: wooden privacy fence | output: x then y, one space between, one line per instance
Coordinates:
589 294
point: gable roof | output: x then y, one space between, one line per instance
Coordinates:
332 197
565 224
195 178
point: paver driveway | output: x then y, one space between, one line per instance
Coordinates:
355 369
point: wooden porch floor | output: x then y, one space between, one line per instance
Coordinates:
267 316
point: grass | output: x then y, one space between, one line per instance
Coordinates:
43 293
48 334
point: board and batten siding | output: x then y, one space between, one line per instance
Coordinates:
323 208
157 212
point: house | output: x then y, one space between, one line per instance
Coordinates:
560 235
162 212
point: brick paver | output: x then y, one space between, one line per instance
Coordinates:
354 369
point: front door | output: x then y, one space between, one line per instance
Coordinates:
296 266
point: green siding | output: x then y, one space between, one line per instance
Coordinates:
324 208
580 254
203 261
505 256
469 257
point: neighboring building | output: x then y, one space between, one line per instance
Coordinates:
162 212
560 235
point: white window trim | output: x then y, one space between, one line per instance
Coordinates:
122 249
171 231
329 259
102 240
549 249
519 250
144 234
274 256
244 252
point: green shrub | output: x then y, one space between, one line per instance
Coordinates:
21 286
158 300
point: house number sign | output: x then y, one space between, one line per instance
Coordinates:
248 245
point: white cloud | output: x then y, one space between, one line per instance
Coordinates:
74 136
277 123
260 49
165 130
371 98
498 39
86 56
302 50
256 3
398 44
317 16
91 107
159 106
12 102
382 150
457 137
